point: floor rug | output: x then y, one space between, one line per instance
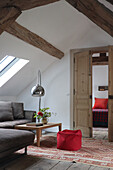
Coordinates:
93 151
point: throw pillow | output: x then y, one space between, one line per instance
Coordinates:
100 103
18 112
6 114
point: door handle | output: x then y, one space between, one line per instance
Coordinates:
90 96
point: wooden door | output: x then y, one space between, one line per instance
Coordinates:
83 93
110 94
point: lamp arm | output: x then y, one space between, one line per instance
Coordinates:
39 103
39 77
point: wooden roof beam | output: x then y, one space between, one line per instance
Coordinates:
110 1
100 63
96 12
33 39
25 4
11 9
7 16
101 60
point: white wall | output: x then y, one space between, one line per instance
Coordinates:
57 85
99 78
56 82
7 98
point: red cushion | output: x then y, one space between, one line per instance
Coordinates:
69 140
100 103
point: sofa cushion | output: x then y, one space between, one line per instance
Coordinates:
12 140
5 114
11 124
18 110
5 104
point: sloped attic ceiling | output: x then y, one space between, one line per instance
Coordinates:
58 23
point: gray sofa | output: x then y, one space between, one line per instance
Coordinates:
11 140
12 113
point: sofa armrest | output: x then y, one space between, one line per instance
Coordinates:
28 114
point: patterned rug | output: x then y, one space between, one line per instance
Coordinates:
93 151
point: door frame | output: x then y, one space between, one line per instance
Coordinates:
72 55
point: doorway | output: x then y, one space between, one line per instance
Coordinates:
81 92
100 95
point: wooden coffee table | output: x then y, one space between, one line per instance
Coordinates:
38 129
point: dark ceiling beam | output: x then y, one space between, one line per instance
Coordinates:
25 4
33 39
11 9
96 12
100 59
7 16
110 1
100 63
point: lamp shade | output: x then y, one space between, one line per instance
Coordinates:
37 91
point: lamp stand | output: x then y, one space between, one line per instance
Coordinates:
39 107
38 91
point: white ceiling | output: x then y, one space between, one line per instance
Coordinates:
58 23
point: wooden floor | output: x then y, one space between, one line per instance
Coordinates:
100 133
32 163
46 164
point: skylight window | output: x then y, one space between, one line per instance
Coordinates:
9 66
6 61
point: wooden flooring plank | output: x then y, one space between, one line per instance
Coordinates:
62 165
22 163
100 133
79 166
44 164
98 168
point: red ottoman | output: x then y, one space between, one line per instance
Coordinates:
69 140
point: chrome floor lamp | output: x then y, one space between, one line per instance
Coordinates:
38 90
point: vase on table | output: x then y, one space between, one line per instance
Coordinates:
44 120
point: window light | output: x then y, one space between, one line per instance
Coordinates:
12 71
5 62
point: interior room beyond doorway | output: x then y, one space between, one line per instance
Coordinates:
100 94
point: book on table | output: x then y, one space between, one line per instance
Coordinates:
34 124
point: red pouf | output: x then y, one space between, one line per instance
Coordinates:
69 140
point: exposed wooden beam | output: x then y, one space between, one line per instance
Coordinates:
96 12
102 60
100 63
103 55
7 16
110 1
25 4
33 39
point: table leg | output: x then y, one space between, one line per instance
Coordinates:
38 134
60 127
